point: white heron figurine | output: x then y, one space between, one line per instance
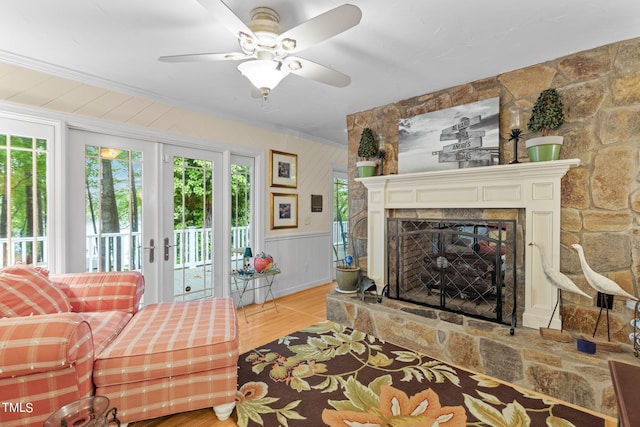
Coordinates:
603 285
597 281
557 280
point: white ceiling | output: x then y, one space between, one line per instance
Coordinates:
400 49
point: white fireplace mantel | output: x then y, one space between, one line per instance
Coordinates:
534 187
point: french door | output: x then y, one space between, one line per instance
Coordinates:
193 243
113 202
152 207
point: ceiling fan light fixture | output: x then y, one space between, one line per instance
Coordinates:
294 65
263 74
288 44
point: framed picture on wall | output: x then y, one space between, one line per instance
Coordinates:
284 169
284 210
458 137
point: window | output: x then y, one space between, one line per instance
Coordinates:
241 209
340 216
24 197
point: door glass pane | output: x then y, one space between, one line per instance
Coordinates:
113 207
23 200
193 232
340 218
240 214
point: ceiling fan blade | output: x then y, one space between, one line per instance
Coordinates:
205 57
227 18
312 70
322 27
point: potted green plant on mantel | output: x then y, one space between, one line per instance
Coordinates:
367 150
546 116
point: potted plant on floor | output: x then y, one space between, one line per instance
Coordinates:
347 275
367 150
547 115
347 269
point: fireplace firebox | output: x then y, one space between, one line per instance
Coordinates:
462 266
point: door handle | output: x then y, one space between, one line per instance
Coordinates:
166 248
152 250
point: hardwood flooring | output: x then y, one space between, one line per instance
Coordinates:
264 325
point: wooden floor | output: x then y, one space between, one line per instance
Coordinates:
264 325
295 311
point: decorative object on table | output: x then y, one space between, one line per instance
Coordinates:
604 286
516 132
284 169
547 115
458 137
90 411
562 283
367 150
284 210
382 154
246 258
263 262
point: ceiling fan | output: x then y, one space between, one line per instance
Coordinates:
266 50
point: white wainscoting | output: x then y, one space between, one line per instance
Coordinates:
304 259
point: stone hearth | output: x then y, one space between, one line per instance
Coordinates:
524 359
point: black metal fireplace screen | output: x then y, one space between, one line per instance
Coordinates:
462 266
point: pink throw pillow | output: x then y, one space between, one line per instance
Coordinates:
24 291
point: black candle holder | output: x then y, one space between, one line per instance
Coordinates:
515 137
382 154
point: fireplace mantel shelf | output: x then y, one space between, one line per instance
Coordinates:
534 187
484 174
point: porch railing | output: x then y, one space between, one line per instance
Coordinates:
123 251
22 249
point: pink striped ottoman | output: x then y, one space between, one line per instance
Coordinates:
170 358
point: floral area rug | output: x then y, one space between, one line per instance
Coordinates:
335 376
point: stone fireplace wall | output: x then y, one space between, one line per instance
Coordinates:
600 89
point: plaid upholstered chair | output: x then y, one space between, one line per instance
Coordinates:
51 329
66 337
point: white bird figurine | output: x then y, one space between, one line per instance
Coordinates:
555 277
557 280
597 281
